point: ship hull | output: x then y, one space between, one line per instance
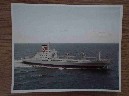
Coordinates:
90 65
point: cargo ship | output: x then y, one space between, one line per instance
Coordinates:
48 57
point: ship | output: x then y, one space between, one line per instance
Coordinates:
48 57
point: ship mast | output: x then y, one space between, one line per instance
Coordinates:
48 45
100 55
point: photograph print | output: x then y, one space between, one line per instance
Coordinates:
60 48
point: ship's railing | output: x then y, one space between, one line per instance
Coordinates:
27 57
90 58
108 61
67 57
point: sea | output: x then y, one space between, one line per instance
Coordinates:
28 77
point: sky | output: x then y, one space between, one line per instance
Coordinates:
38 23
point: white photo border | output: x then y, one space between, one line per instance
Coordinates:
69 90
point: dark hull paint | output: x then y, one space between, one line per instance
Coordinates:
67 66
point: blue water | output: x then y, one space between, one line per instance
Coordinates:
29 78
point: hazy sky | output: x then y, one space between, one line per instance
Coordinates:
33 23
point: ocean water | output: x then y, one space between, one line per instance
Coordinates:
28 77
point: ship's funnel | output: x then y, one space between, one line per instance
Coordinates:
44 47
